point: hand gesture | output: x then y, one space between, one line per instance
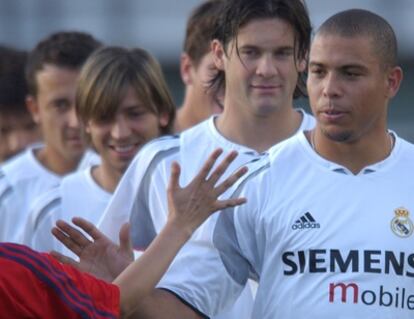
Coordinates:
190 206
100 257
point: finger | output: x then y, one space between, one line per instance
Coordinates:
67 241
64 259
88 227
74 234
205 170
222 167
228 203
231 180
125 239
174 176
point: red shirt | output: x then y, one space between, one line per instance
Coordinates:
35 285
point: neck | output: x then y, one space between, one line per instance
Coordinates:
55 162
259 132
106 178
354 155
185 119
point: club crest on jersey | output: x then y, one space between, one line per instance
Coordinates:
401 224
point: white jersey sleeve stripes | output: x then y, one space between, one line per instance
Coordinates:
227 240
145 231
189 276
4 186
77 195
36 233
24 179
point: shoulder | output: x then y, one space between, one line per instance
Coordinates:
405 153
13 171
22 167
76 177
159 145
45 205
285 148
5 186
154 152
308 121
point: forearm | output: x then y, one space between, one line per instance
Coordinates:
161 304
140 278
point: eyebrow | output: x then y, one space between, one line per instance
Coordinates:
254 46
345 66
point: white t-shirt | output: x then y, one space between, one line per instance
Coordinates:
322 242
77 195
22 180
141 195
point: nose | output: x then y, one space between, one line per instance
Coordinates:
73 120
120 129
331 86
267 66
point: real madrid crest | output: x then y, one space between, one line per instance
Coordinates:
401 224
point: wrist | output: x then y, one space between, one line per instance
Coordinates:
174 230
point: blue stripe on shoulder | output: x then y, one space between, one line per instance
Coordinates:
55 278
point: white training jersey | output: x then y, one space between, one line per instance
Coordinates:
77 195
22 180
141 195
323 243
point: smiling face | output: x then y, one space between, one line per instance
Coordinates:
118 140
349 88
262 78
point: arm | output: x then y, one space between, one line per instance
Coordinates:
99 256
189 207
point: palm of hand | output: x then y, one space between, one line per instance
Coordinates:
99 256
104 259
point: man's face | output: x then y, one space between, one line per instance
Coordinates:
54 110
119 139
348 87
263 78
16 132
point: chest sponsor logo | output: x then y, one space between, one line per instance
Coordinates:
306 221
401 224
374 290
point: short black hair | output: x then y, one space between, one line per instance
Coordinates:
235 14
13 88
200 27
63 49
359 22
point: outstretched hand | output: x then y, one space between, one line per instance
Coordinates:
190 206
99 256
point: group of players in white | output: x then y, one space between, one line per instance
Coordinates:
327 229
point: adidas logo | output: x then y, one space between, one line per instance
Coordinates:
306 221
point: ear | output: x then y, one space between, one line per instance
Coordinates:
301 65
186 67
218 54
164 119
33 108
394 78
